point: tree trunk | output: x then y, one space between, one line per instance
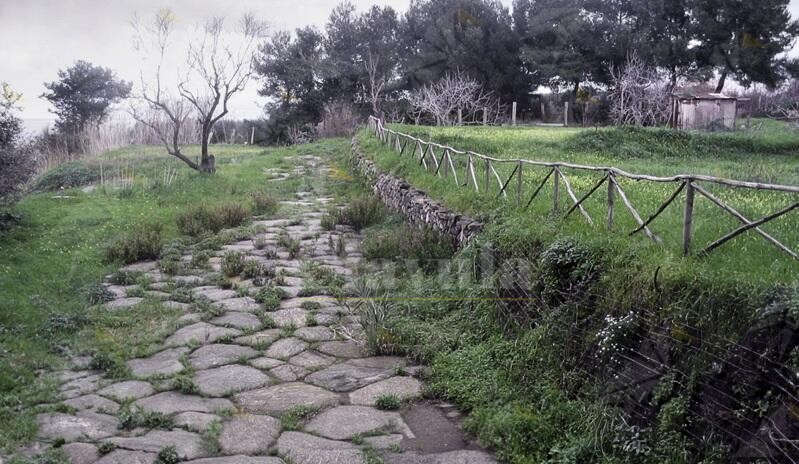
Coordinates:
574 102
207 162
722 80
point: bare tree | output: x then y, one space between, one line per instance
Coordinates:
453 92
219 63
640 96
378 79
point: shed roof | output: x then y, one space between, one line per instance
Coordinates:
704 96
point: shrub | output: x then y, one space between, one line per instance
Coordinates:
97 293
270 297
126 277
167 455
142 242
363 211
233 263
338 120
16 168
67 175
406 242
203 219
256 270
263 203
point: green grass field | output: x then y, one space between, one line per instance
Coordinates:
49 260
765 154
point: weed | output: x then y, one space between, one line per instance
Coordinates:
388 402
105 448
270 297
296 417
97 293
204 219
131 417
263 203
210 438
199 258
167 455
232 263
362 211
122 277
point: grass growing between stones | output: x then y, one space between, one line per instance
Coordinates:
57 252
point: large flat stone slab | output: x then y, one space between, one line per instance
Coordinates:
237 460
187 444
346 422
315 334
286 348
279 399
172 402
195 421
243 304
86 426
403 388
214 293
312 360
202 333
292 317
450 457
302 448
81 453
347 377
238 320
249 434
262 338
129 390
94 403
122 456
233 378
165 363
342 349
123 303
216 355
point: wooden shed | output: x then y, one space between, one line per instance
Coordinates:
711 111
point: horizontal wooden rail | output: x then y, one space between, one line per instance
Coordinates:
688 183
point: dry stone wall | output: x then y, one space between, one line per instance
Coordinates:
417 207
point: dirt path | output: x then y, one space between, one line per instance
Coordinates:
240 385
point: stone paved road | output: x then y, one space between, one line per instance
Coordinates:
253 381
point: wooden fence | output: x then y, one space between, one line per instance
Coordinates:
691 184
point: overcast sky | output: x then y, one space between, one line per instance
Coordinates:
39 37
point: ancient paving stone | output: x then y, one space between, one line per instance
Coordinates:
117 290
288 372
123 303
81 386
265 363
200 332
229 379
286 348
291 292
345 422
131 389
278 399
214 293
237 460
450 457
242 304
68 376
209 356
315 334
176 305
383 362
323 301
302 448
244 321
188 445
249 434
158 295
195 421
86 426
190 318
347 377
173 402
292 317
341 349
312 360
401 387
93 402
122 456
262 338
166 362
81 453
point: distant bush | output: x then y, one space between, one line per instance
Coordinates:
263 203
65 176
141 243
203 219
339 120
363 211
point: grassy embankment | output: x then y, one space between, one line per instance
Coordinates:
52 261
536 375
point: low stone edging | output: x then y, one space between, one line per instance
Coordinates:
414 204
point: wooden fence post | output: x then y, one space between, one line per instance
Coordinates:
555 189
611 199
485 116
252 136
519 185
488 175
688 220
513 114
543 112
460 117
566 115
